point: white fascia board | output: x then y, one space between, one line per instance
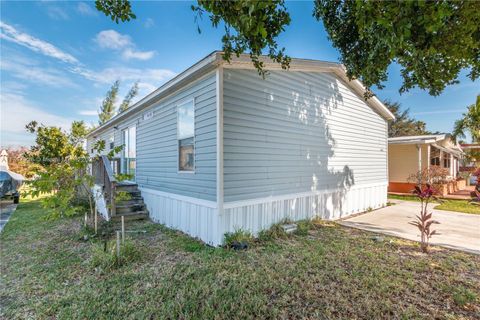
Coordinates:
167 88
419 141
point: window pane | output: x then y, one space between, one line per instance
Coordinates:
132 142
186 156
125 143
185 121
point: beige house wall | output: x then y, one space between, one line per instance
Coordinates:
403 161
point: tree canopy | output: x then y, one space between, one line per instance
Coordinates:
469 122
404 125
128 98
108 107
107 110
432 41
53 145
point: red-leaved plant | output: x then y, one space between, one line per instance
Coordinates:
424 220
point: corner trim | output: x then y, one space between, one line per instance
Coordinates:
219 107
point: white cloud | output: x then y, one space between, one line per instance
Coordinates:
28 71
109 75
149 22
140 55
88 112
57 13
111 39
85 10
9 33
16 112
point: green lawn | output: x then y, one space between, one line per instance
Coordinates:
450 205
331 272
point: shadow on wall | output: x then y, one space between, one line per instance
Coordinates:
311 107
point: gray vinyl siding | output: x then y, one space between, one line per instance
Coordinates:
104 135
296 132
157 146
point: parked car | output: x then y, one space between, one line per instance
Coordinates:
10 183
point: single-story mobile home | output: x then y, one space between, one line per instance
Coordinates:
219 148
410 154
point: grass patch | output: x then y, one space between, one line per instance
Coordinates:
239 239
459 206
324 271
449 205
104 255
403 197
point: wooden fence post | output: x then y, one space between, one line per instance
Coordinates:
118 244
123 230
96 218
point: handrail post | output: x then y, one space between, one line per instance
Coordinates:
104 174
112 199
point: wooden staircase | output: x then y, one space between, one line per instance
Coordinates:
121 198
129 202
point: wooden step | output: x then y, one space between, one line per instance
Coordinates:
130 202
127 187
129 208
139 215
133 194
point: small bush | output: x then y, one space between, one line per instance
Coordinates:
303 227
274 232
104 256
240 238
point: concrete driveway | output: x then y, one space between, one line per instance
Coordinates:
459 231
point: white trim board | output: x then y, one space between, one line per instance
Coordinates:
192 200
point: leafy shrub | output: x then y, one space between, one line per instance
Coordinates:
424 220
434 176
123 196
238 239
274 232
104 257
303 227
123 176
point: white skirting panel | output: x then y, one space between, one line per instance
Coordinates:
196 217
258 214
200 218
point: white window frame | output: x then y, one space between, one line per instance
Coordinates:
122 155
177 106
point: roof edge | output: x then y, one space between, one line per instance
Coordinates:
215 59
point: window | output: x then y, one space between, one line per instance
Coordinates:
435 161
111 142
186 136
129 156
446 163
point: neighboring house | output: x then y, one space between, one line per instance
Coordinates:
472 158
219 148
409 154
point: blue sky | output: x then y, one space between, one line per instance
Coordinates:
59 58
